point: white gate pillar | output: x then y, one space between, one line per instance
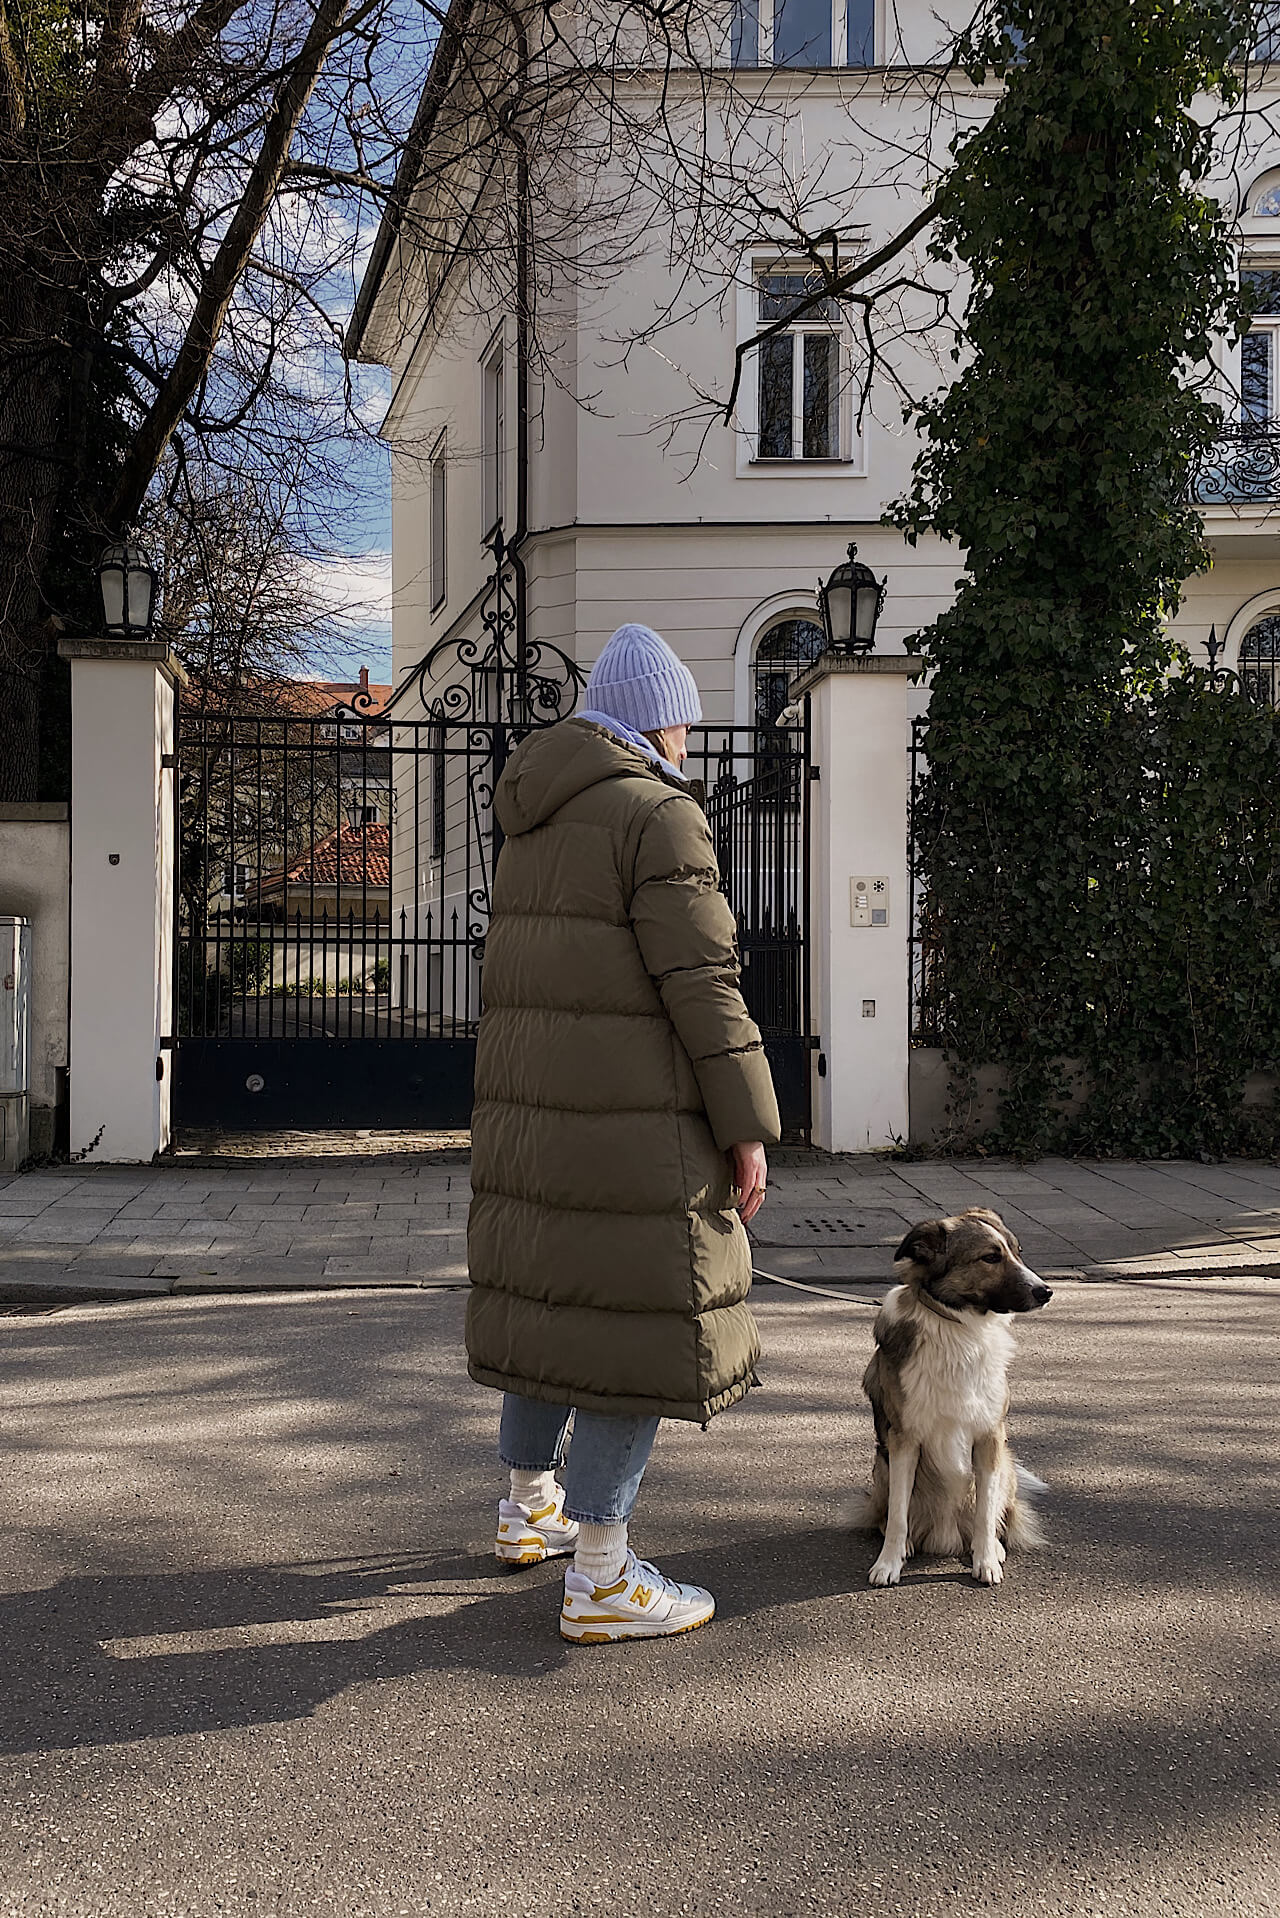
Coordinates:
858 921
122 894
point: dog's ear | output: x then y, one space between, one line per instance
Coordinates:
987 1216
925 1244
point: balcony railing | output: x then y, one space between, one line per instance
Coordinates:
1241 468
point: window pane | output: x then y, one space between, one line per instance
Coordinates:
435 742
745 33
1260 662
495 439
1263 290
862 33
782 293
1267 45
777 358
1255 376
802 33
437 531
821 396
785 650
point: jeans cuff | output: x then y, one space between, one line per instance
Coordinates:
531 1464
596 1518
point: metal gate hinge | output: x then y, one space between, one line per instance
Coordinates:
815 772
169 761
167 1043
813 1042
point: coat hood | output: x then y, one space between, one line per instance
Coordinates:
552 766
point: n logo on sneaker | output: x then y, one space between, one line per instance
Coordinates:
642 1595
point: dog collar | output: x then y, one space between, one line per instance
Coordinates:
936 1305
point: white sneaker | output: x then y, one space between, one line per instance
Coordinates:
526 1537
640 1604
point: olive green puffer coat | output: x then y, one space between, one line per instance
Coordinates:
615 1065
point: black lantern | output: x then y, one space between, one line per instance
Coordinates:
127 580
851 602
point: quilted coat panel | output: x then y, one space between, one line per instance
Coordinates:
616 1063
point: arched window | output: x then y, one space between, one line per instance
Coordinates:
781 653
1260 661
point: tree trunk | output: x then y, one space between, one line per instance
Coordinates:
31 429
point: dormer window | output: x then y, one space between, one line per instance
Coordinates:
803 33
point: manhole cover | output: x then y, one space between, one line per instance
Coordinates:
827 1228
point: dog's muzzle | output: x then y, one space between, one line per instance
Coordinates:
1025 1292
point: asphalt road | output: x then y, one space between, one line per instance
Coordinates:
257 1660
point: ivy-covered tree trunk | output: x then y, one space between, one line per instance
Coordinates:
1059 461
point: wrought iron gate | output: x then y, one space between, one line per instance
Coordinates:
333 899
332 906
754 784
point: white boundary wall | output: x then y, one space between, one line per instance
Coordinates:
859 973
122 877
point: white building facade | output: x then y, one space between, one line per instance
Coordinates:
604 456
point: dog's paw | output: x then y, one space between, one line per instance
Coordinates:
885 1571
988 1567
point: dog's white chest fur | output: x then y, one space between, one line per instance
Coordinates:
954 1380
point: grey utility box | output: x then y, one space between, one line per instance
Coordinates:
15 1041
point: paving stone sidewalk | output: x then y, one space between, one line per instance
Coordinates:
285 1223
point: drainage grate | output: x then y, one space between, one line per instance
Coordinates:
772 1227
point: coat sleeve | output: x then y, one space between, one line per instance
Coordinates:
687 940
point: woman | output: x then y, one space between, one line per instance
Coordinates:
621 1093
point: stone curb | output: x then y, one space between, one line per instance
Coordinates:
105 1290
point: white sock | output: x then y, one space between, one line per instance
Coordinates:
535 1490
601 1552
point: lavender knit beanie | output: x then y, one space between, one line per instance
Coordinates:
639 680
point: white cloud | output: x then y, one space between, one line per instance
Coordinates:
356 587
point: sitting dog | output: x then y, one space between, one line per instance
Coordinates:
944 1478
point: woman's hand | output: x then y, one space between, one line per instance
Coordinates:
751 1176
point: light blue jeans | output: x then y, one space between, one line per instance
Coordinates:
606 1457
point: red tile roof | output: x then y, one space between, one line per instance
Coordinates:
357 856
294 698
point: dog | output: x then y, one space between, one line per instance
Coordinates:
944 1478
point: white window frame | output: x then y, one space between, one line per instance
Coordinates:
850 462
494 447
839 37
1260 260
438 537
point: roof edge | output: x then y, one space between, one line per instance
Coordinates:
439 75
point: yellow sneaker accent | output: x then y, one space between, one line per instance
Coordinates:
641 1604
527 1538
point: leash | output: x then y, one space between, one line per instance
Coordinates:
818 1291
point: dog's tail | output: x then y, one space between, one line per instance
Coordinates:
863 1512
1023 1528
